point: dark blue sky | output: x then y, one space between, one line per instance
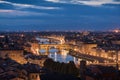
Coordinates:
59 14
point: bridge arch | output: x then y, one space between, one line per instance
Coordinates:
47 47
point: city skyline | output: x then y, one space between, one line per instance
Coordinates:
59 15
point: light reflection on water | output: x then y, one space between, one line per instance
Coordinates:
60 57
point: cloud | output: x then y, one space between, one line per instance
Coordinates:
86 2
28 5
6 11
17 13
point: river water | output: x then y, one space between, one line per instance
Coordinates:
61 56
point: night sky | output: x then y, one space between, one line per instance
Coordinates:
59 15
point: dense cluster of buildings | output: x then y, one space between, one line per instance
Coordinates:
11 70
17 60
102 44
20 59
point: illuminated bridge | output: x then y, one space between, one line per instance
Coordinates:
47 47
35 47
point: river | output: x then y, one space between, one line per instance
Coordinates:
62 56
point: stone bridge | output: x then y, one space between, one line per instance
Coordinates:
60 47
35 47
